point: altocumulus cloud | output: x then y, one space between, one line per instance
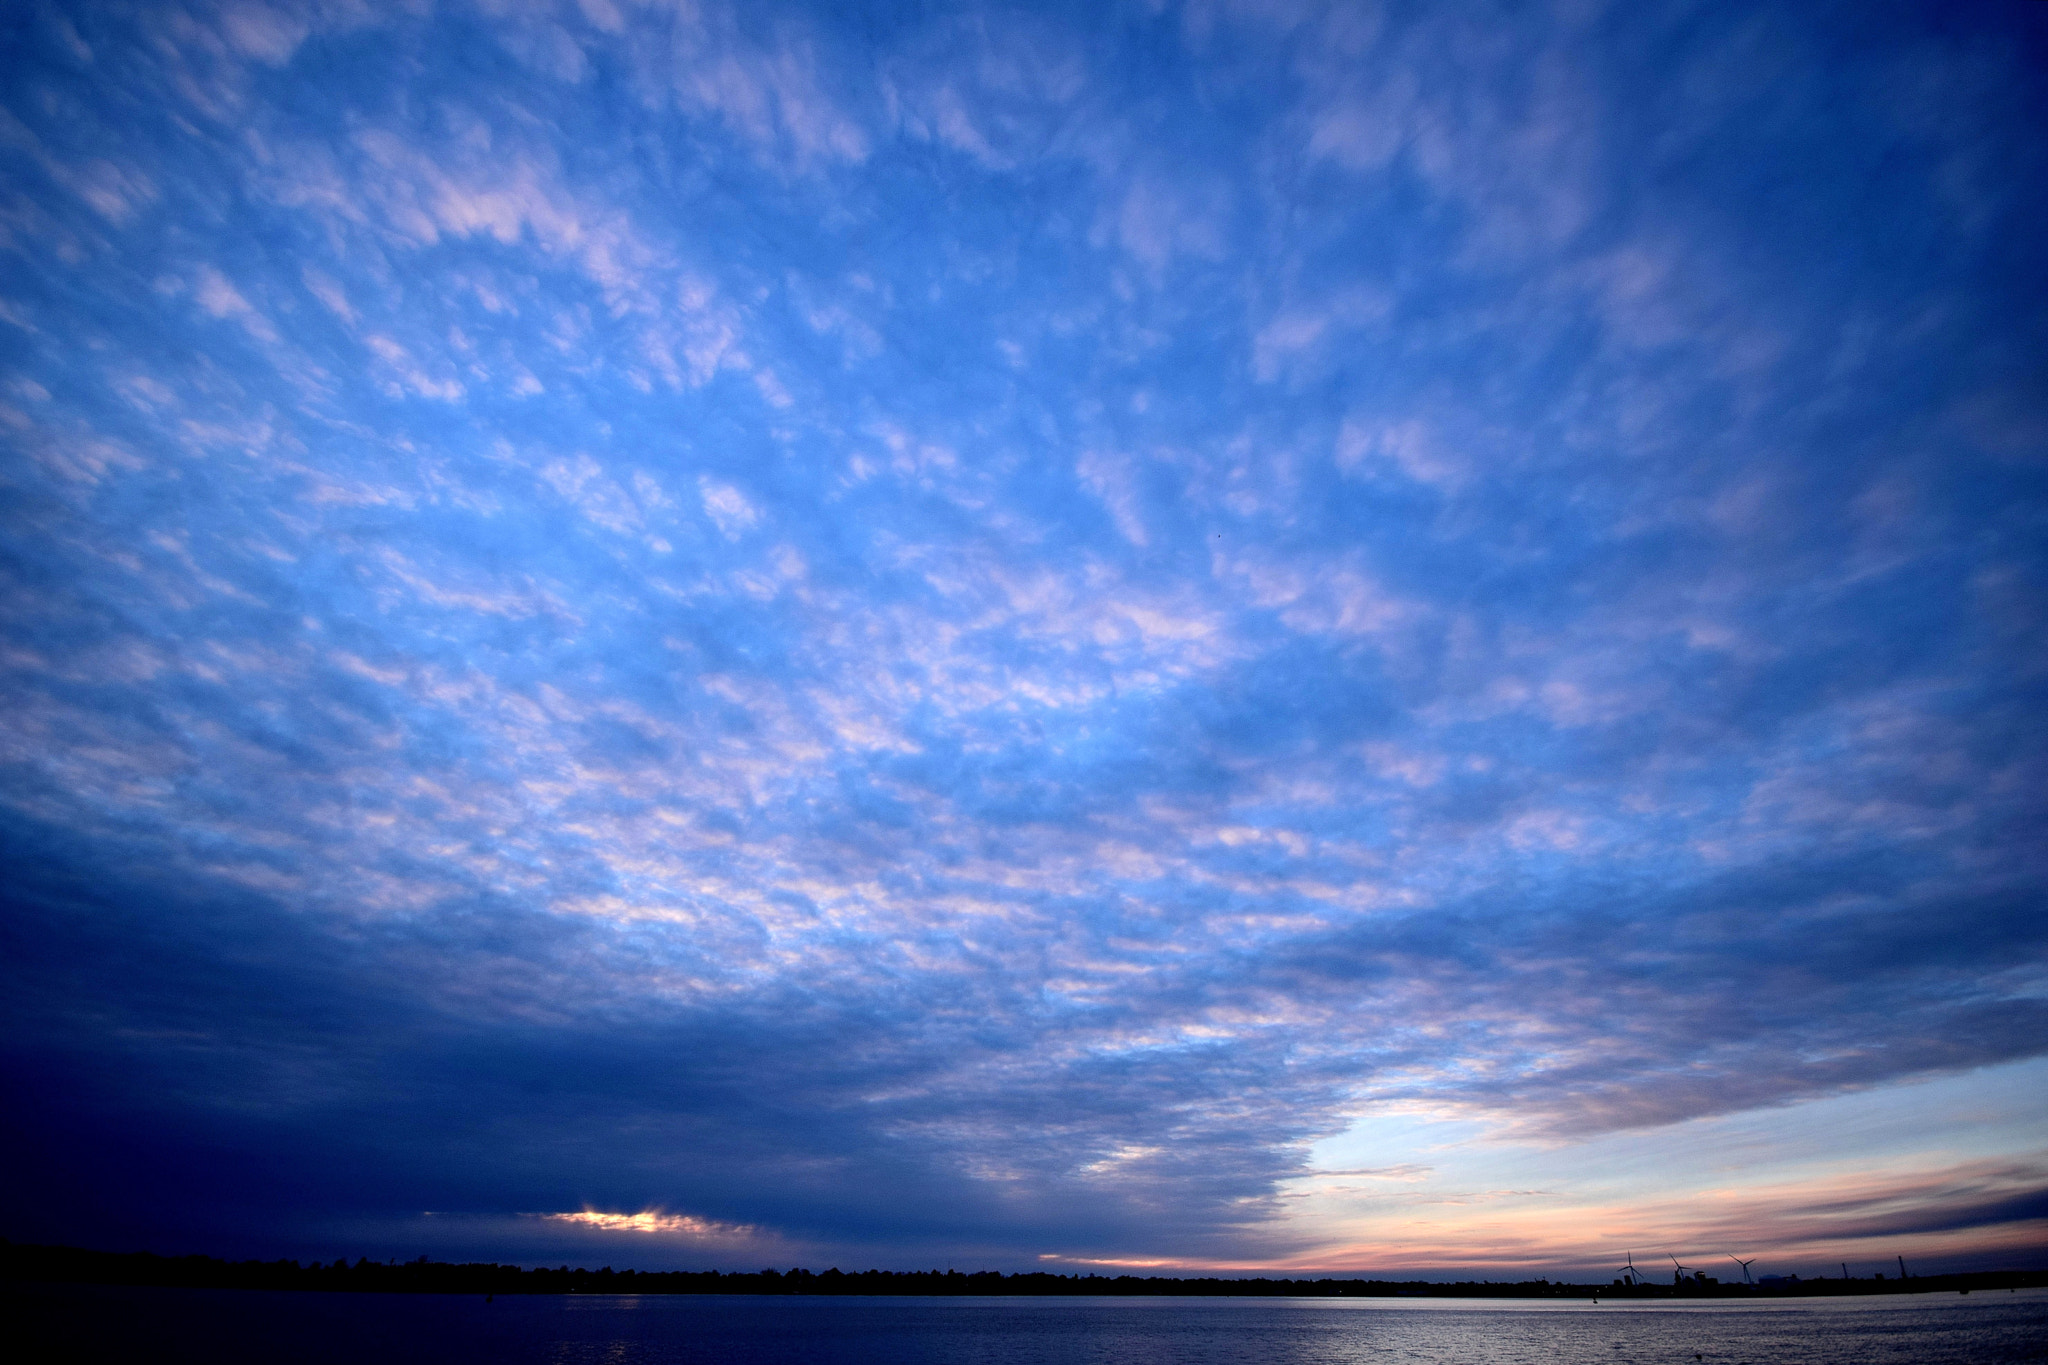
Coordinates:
960 633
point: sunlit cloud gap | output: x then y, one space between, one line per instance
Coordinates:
649 1221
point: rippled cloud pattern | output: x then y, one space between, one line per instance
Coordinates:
957 632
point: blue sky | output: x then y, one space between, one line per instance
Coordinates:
1212 635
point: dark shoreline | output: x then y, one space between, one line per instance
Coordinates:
77 1265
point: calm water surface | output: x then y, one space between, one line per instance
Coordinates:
93 1323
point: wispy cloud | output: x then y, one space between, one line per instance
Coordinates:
977 631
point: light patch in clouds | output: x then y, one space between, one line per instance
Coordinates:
651 1221
221 299
1162 217
727 507
325 289
1110 479
1411 448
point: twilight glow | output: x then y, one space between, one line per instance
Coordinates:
1214 635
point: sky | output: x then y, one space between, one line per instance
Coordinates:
1264 637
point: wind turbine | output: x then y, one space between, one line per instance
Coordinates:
1744 1264
1629 1271
1677 1270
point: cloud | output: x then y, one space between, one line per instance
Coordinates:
1298 334
1109 479
966 635
116 191
1161 218
1409 447
776 96
653 1221
211 54
727 507
1002 89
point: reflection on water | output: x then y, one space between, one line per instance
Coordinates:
94 1323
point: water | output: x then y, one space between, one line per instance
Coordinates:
62 1323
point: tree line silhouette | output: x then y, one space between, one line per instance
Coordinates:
78 1265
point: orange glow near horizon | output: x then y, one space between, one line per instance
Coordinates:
651 1221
